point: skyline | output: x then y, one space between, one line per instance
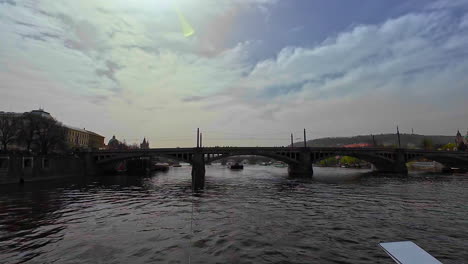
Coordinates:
255 67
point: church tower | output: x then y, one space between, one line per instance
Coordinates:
144 144
460 141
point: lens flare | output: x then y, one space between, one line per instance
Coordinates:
187 29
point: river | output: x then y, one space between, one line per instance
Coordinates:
257 215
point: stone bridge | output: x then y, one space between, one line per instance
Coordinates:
299 160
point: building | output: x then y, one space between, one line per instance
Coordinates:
82 138
96 141
113 143
77 137
41 113
10 114
144 144
460 141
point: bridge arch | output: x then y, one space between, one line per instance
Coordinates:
118 158
382 161
288 160
440 157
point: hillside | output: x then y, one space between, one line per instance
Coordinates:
407 140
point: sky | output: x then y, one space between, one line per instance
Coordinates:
250 73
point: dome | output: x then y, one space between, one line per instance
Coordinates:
113 141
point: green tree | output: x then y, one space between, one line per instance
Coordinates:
349 160
328 161
449 146
427 144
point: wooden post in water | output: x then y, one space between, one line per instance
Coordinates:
198 137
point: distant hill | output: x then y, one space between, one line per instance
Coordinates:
407 140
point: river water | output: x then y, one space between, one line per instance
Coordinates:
257 215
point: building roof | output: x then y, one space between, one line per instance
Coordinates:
94 134
75 128
113 140
10 114
83 130
42 113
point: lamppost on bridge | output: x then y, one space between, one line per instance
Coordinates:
198 137
398 134
292 142
305 139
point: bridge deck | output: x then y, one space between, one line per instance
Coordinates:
311 149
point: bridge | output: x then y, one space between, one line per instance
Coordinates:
299 159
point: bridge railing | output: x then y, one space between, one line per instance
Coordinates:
313 149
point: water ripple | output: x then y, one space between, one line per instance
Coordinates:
257 215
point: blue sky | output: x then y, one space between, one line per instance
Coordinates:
253 71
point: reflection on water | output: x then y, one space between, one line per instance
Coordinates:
257 215
334 175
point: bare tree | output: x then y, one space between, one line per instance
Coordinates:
28 130
133 146
49 135
8 129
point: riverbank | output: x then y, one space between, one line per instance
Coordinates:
21 168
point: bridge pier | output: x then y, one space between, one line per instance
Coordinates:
394 168
90 166
198 171
302 169
398 166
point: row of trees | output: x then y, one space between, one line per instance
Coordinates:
124 146
341 160
428 145
31 132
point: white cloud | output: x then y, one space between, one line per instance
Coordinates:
372 77
443 4
464 22
364 58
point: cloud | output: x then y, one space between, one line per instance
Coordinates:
464 22
444 4
131 66
194 98
297 29
372 76
9 2
111 68
400 52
